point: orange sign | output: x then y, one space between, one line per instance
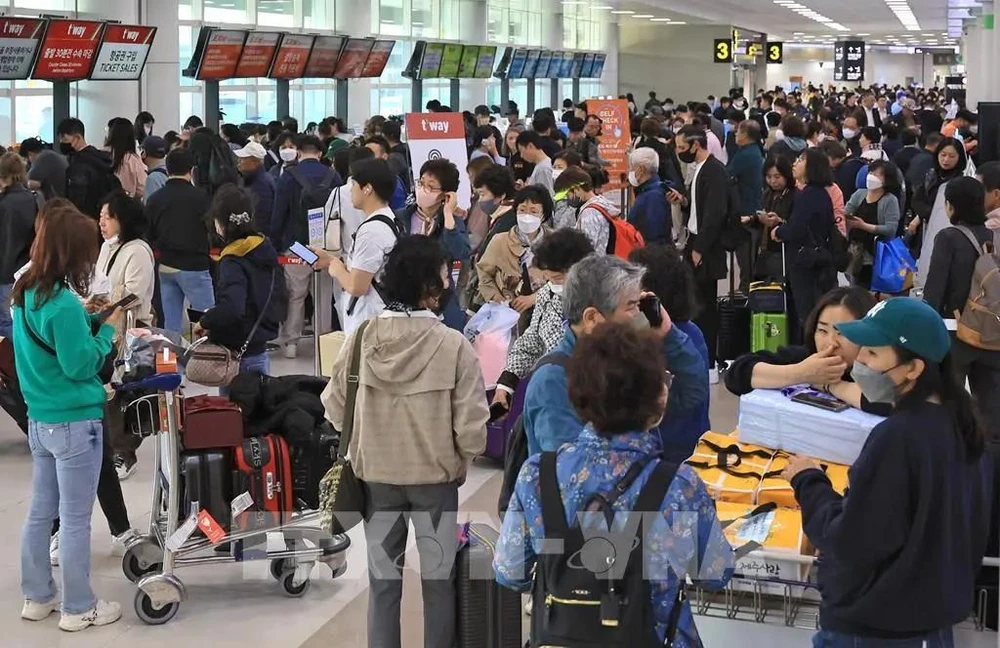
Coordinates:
615 137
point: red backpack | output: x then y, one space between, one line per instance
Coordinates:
623 237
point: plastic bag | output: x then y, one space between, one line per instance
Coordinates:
491 317
894 267
490 331
142 345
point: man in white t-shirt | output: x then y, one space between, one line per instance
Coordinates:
371 191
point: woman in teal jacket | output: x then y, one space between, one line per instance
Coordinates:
59 350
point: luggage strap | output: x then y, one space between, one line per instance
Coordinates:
705 465
735 449
353 382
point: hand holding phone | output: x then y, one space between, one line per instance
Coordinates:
303 253
126 302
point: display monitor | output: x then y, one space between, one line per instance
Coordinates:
566 65
484 63
451 60
324 57
531 64
588 65
123 52
353 58
598 70
378 58
470 57
217 54
430 65
68 50
544 62
258 54
19 44
517 62
292 57
576 69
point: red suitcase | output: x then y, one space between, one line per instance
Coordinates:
264 469
211 422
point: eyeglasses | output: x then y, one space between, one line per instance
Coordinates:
428 187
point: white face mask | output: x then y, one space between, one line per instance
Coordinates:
632 180
873 182
528 224
556 173
850 133
557 289
288 154
779 135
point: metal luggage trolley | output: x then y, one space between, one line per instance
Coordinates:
150 561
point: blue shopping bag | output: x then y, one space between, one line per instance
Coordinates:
894 267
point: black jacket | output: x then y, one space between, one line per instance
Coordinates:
90 177
18 209
953 262
178 226
811 222
712 195
246 270
901 550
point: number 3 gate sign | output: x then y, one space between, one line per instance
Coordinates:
723 52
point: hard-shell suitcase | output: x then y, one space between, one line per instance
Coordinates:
207 479
264 469
310 462
211 422
770 331
488 615
734 320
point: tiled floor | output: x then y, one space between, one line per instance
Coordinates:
239 605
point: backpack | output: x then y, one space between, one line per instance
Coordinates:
397 227
979 324
598 595
87 185
516 448
314 195
623 237
158 169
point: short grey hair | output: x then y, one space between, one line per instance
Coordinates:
645 158
599 281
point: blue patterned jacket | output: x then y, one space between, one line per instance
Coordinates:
686 541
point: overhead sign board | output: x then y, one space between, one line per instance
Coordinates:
292 56
258 53
775 52
19 41
325 55
221 55
722 51
123 52
68 50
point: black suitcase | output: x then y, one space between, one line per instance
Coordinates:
734 320
310 462
488 615
208 480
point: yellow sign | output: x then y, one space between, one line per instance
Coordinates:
775 52
723 52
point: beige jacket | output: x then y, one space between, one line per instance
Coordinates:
421 409
499 268
132 273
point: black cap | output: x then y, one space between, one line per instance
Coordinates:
155 146
482 110
512 108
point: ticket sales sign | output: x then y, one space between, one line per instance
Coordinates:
123 52
68 50
19 40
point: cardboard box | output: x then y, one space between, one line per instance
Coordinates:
785 536
329 348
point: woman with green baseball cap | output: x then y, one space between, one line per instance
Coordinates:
900 551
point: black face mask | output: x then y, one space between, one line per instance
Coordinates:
65 148
688 156
443 300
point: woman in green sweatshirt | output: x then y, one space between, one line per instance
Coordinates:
59 350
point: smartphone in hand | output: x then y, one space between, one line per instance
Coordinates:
128 301
650 307
303 253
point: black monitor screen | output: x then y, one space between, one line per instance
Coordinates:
576 69
531 64
484 66
516 69
588 66
470 57
599 65
544 62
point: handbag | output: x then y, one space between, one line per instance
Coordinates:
894 267
334 224
341 493
214 365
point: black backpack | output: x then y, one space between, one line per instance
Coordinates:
314 195
87 184
397 228
593 592
516 449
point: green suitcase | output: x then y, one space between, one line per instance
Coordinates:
768 331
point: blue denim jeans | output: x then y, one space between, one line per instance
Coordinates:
195 286
939 639
6 324
66 462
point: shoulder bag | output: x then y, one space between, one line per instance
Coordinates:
214 365
341 493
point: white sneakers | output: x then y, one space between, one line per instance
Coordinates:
120 543
124 467
102 614
54 550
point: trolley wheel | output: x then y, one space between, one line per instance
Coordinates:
149 614
133 569
290 588
278 568
340 571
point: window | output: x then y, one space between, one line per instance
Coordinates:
184 10
390 18
318 14
33 117
226 11
276 13
48 5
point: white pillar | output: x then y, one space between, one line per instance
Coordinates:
160 86
356 19
474 17
99 101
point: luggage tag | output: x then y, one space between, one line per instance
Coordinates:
241 503
757 528
183 532
210 527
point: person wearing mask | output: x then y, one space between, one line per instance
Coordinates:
872 117
90 174
621 391
873 215
485 145
495 186
851 130
928 201
923 475
670 278
143 126
807 233
287 151
19 207
58 350
250 283
601 289
127 165
707 207
745 168
358 275
595 211
260 183
178 233
530 148
989 175
380 147
290 224
650 213
154 151
127 265
46 168
505 267
776 205
517 165
554 256
790 138
421 394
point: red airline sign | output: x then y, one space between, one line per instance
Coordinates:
222 54
68 50
293 55
258 52
123 52
325 54
19 39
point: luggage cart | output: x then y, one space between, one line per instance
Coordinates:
150 561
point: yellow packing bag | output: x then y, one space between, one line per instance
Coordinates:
778 490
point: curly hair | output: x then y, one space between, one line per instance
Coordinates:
413 271
615 383
669 278
562 249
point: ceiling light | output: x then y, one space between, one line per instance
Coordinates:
659 20
643 16
678 22
623 12
863 34
798 33
602 7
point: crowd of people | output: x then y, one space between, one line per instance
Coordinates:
616 346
